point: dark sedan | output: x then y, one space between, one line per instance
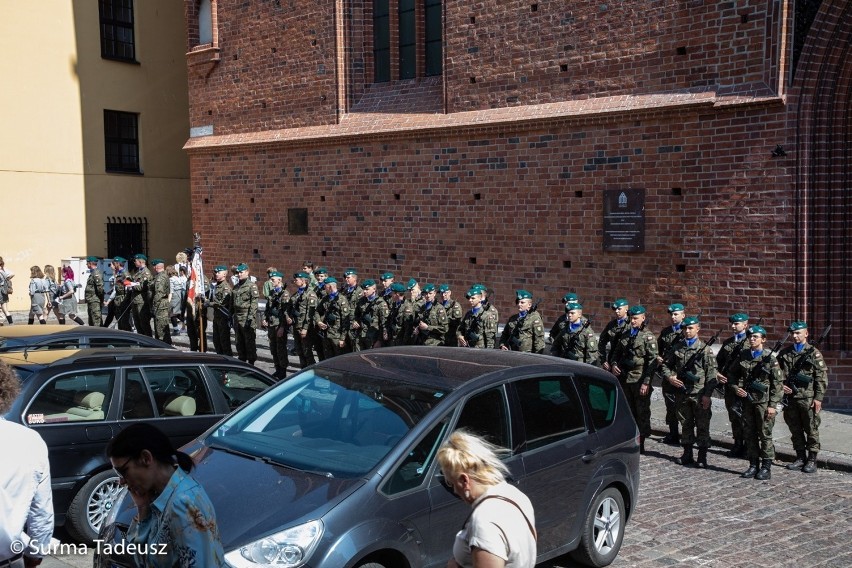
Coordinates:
335 467
77 403
39 337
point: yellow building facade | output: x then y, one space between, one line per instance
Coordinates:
94 115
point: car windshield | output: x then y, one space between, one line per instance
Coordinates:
337 424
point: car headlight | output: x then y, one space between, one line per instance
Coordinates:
286 549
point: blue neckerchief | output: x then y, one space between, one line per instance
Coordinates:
300 289
349 289
691 342
756 354
277 289
634 331
739 336
445 303
427 306
622 321
522 314
475 311
676 327
387 292
371 297
575 326
333 295
798 347
397 303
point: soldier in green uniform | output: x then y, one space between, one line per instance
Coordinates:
140 298
669 337
161 300
415 294
524 331
267 286
454 314
353 293
612 330
804 368
475 327
316 341
370 320
561 323
633 356
94 291
387 281
275 322
432 323
577 341
219 298
757 380
492 316
244 314
727 357
400 317
332 319
300 317
115 302
691 370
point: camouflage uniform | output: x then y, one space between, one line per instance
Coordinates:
244 312
95 296
333 310
729 354
353 295
276 328
301 309
372 317
608 337
669 337
435 317
220 301
694 365
524 333
141 300
634 352
811 381
160 304
492 321
400 322
577 343
478 328
454 316
556 334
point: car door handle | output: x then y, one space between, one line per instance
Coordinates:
590 455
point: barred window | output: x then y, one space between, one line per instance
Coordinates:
117 37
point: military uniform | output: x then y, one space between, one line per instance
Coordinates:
759 374
729 354
140 299
121 300
634 353
611 331
669 337
353 295
400 322
454 316
372 317
524 333
435 316
301 309
220 301
160 303
276 327
334 311
244 298
803 368
94 295
478 328
693 363
577 342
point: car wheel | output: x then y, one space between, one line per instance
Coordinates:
91 505
603 530
371 565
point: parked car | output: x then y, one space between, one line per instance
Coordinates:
39 337
78 400
335 467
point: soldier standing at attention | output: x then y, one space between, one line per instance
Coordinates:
353 293
141 296
387 282
561 323
454 314
669 337
727 357
524 331
300 317
371 317
577 341
275 323
612 330
220 301
757 380
472 329
433 322
332 319
161 301
804 367
114 303
94 291
633 355
691 370
319 289
415 294
244 313
491 317
400 318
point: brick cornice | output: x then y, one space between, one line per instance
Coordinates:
387 126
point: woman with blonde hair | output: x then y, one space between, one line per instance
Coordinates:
38 295
52 293
500 530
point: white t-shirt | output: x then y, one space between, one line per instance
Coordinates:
500 528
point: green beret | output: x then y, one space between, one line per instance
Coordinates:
386 276
444 288
636 310
479 286
522 295
474 291
797 325
398 288
301 275
156 261
242 266
411 284
570 298
675 308
140 256
91 259
350 272
619 303
738 317
330 280
220 268
368 283
757 329
691 320
275 274
428 287
119 259
321 270
573 306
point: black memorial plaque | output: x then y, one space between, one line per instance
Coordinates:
624 220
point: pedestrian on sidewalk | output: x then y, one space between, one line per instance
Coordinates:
38 296
5 290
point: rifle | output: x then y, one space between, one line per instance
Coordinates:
795 376
752 385
574 338
515 338
687 376
735 355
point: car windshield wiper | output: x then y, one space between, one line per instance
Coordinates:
270 461
233 451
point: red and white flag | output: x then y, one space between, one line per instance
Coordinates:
196 279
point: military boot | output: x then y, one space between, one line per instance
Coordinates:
672 438
642 445
686 458
800 460
738 451
752 469
765 471
810 465
702 458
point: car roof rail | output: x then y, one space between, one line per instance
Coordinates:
114 354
